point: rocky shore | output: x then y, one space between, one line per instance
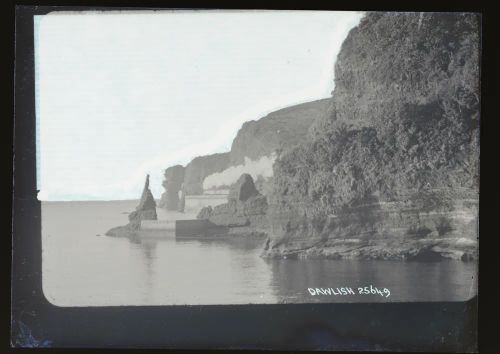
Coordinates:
463 249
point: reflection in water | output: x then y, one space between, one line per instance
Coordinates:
82 269
147 251
407 281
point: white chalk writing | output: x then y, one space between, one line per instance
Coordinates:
346 291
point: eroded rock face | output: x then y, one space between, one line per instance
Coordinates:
145 210
205 212
174 178
391 230
255 139
147 201
278 130
201 167
395 161
245 210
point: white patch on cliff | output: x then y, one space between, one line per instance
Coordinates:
262 167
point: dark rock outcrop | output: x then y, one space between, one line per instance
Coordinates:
205 213
174 178
394 164
199 168
145 210
245 211
243 189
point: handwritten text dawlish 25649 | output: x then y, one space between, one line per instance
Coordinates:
346 291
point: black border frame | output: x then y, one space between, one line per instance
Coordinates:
391 326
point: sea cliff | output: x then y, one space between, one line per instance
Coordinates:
278 130
392 170
189 179
173 181
200 167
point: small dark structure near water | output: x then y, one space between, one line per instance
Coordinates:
198 228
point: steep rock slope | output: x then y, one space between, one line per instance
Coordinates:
392 170
174 178
145 210
278 130
200 167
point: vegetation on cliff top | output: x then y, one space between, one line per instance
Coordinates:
404 118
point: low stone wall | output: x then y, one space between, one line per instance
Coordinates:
158 225
194 203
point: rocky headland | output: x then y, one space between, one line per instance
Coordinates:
392 171
257 138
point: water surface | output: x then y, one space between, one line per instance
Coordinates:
82 267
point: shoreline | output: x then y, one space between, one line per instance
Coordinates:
425 249
460 249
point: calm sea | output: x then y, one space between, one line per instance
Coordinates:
82 267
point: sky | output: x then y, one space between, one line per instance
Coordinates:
123 94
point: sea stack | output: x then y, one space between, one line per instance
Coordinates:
145 210
173 180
